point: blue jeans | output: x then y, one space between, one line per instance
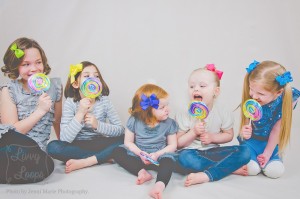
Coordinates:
100 147
217 162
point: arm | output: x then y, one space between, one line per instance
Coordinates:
57 116
217 138
9 112
129 142
273 140
114 127
71 121
185 138
171 147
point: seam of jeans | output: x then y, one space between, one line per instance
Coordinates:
211 179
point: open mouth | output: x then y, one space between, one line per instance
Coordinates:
198 97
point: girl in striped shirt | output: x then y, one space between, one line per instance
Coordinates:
86 138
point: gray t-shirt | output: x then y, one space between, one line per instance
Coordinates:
152 139
26 103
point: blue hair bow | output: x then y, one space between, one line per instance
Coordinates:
252 66
284 78
149 101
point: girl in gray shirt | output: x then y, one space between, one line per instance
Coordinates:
27 115
150 138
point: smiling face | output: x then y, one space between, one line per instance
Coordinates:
162 112
31 64
261 95
203 86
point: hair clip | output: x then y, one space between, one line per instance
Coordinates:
74 69
252 66
285 78
18 52
211 67
149 101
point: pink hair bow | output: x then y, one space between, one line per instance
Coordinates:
211 67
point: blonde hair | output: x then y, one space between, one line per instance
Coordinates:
216 78
265 74
136 110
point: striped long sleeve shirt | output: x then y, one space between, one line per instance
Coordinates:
103 110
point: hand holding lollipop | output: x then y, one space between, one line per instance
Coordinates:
91 87
198 110
252 110
39 82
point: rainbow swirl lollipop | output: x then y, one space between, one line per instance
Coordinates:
198 110
91 87
252 110
39 82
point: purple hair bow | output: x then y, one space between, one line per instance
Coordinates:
252 66
284 78
149 101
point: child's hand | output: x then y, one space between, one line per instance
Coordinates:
246 132
263 159
206 138
84 105
91 120
143 158
44 103
199 128
154 156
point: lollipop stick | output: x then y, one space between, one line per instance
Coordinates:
249 122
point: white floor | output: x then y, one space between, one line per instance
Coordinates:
111 181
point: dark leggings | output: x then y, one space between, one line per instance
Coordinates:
22 161
135 164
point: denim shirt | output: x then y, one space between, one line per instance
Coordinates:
151 139
272 112
26 103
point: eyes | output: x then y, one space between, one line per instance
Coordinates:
87 76
258 93
200 85
163 106
27 64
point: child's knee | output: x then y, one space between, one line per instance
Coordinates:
245 154
186 158
253 168
53 147
274 169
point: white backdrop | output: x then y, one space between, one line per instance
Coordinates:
138 41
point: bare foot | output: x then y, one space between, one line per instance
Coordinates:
143 176
156 191
110 161
72 164
196 178
243 171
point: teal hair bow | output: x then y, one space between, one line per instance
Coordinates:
18 52
252 66
284 78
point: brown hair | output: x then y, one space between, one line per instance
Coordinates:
146 115
12 63
70 91
265 74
